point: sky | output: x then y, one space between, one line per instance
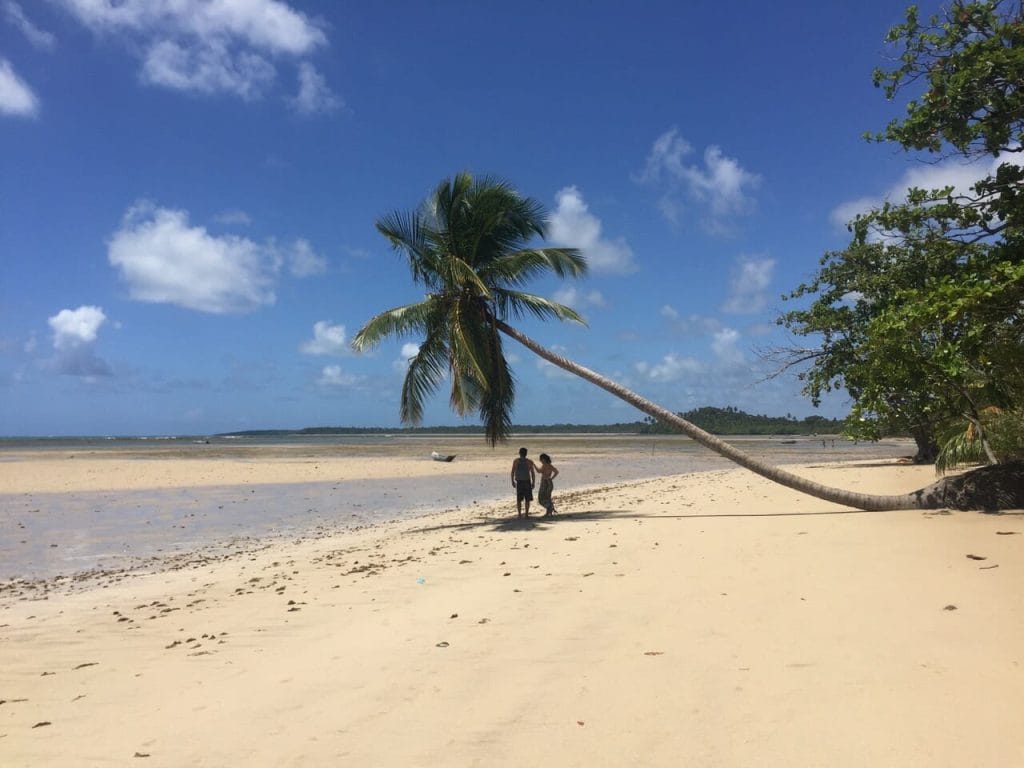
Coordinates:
189 191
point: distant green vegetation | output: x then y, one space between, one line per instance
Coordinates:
732 421
718 421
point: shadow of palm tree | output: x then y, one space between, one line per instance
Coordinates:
543 522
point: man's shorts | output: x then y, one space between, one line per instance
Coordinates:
524 492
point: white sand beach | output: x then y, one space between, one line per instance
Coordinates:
709 619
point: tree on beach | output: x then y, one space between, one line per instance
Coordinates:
920 317
469 246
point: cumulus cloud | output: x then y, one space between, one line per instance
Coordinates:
16 98
303 261
333 377
408 352
314 95
327 340
690 325
165 260
74 337
577 299
719 188
76 327
959 175
725 345
15 16
672 367
211 46
209 69
748 287
574 226
233 217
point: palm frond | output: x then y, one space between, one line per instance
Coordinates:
518 304
426 371
957 450
400 321
410 235
520 267
498 399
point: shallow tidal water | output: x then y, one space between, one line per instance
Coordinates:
44 535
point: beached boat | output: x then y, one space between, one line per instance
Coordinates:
441 456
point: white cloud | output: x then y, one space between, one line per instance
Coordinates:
209 46
209 69
725 345
165 260
38 37
333 377
409 350
75 327
16 98
314 95
749 285
720 188
265 24
573 225
577 299
690 325
233 217
327 340
303 261
672 367
74 336
952 173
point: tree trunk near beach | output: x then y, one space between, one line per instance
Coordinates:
1001 487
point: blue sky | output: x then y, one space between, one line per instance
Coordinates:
188 193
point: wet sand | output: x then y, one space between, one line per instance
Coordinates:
108 506
708 619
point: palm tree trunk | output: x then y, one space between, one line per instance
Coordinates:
927 498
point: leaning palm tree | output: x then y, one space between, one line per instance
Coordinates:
469 246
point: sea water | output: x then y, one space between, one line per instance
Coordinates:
43 535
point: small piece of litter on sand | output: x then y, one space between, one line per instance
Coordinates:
977 557
442 644
949 608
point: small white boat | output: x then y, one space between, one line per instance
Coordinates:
441 456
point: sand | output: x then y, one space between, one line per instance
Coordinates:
711 619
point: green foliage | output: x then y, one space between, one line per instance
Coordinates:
732 421
1006 435
721 421
469 246
920 317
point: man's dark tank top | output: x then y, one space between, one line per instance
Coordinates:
522 470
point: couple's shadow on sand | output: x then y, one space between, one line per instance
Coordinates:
534 522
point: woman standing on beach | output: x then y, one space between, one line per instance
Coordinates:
548 472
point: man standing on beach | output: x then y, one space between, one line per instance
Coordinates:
524 474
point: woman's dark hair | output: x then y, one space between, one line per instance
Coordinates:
545 458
